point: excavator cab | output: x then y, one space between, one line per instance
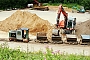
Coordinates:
71 22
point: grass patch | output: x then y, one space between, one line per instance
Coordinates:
11 54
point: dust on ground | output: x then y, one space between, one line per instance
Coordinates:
26 19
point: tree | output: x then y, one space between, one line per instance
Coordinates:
65 1
86 4
4 4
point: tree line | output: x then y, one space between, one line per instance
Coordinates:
4 4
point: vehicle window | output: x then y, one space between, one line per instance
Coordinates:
18 33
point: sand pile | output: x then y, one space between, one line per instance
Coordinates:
25 19
83 28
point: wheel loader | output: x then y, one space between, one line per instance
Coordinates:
21 34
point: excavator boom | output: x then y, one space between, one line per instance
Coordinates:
61 9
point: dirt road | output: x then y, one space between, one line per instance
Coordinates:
51 17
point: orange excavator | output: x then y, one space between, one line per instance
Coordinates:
64 28
67 24
61 30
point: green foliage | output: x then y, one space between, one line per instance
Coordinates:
4 4
45 4
71 5
86 4
11 54
65 5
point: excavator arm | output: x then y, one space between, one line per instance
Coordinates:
61 9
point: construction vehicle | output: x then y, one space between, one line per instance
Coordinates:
21 34
85 39
65 26
79 10
39 6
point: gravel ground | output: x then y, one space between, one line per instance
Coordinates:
51 17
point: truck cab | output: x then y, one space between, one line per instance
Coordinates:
19 34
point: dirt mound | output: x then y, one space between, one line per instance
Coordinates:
83 28
25 19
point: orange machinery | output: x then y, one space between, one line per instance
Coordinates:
67 24
64 28
63 23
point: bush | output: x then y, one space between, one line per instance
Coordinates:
10 54
86 4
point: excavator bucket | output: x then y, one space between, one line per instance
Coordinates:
56 37
41 37
85 39
71 39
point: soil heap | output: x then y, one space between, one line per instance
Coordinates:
25 19
83 28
